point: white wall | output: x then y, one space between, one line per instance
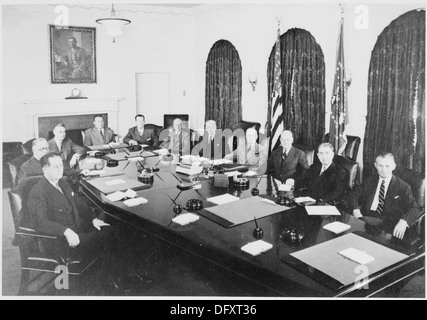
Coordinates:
153 42
178 41
252 29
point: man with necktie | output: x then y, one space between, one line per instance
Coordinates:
325 181
385 200
287 161
99 134
178 141
211 144
65 147
141 134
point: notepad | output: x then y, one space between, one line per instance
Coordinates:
322 211
114 182
185 219
257 247
135 202
357 256
337 227
225 198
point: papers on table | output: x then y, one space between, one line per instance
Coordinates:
337 227
115 182
95 173
135 158
217 162
357 256
119 195
257 247
185 219
161 151
232 173
322 211
306 201
135 202
250 173
225 198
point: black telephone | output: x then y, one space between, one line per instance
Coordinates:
194 205
112 163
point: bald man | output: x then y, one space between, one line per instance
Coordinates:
287 161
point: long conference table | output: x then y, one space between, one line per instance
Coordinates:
276 270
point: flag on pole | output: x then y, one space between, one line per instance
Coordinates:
275 102
339 108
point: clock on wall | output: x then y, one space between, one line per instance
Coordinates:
76 94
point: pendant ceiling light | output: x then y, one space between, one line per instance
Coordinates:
113 26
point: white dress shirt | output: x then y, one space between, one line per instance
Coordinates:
374 205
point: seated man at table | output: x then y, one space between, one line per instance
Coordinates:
385 200
287 161
65 148
325 181
211 142
251 153
178 141
98 135
140 134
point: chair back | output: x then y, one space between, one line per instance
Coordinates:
15 166
352 147
352 169
416 181
245 125
309 153
18 201
157 129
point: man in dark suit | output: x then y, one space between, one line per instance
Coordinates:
141 135
98 135
178 141
210 144
325 181
65 148
287 161
53 210
385 200
32 166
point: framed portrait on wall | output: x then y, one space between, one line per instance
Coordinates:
72 54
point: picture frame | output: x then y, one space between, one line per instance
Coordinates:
72 54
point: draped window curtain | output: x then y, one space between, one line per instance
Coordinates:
223 99
395 119
303 86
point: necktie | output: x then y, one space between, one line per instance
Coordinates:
323 170
381 198
102 133
58 187
284 155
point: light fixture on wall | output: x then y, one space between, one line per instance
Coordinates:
253 79
113 26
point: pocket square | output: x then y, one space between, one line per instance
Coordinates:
148 139
396 197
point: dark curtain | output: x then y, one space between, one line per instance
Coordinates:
223 99
303 86
396 106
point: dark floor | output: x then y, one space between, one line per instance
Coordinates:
180 275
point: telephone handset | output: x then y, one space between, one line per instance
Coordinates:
194 205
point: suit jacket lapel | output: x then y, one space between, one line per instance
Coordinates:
372 192
70 198
290 155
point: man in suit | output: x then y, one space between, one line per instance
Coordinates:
64 147
98 135
251 153
32 166
325 181
385 200
178 141
53 210
141 135
287 161
210 144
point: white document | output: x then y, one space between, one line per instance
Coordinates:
232 173
357 256
130 193
257 247
185 219
162 151
217 162
135 202
135 159
116 196
95 173
305 200
115 182
322 211
337 227
225 198
250 173
285 187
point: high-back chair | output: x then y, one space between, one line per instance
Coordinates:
34 256
15 166
352 147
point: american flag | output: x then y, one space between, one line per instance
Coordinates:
339 108
275 104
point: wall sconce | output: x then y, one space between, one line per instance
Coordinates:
253 79
113 26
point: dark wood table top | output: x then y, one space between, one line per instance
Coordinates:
275 269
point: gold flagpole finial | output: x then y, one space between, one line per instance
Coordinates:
342 10
279 21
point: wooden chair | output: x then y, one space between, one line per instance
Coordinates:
31 243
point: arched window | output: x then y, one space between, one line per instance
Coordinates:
303 86
223 99
395 119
